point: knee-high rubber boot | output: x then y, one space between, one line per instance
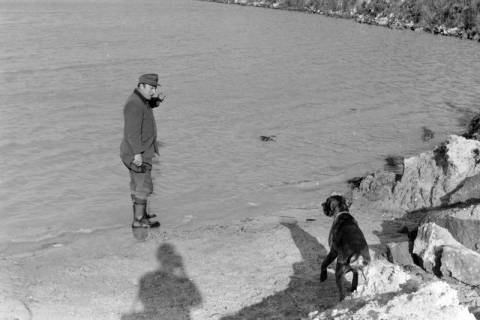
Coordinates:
139 218
149 216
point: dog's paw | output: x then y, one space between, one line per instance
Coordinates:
323 275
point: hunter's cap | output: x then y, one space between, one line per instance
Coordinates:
149 78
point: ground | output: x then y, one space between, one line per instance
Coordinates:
257 268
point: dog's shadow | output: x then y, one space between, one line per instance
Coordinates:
304 293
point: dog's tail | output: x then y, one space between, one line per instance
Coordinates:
357 261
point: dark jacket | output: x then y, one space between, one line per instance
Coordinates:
140 130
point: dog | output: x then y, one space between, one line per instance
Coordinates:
347 243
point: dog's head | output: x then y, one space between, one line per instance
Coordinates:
334 204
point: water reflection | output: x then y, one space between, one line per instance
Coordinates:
166 293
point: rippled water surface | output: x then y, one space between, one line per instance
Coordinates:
338 96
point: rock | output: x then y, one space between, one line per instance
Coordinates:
434 300
377 186
466 191
431 175
452 31
430 238
381 277
463 265
383 21
427 178
462 223
442 255
399 253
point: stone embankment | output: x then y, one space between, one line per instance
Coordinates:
362 13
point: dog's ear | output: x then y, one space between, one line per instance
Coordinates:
325 208
329 206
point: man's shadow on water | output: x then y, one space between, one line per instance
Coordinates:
166 293
304 291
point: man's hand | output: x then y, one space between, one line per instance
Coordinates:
138 160
158 94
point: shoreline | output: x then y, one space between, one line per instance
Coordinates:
253 268
384 19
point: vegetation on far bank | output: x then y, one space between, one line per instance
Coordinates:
459 18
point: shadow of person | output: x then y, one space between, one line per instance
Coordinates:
304 293
166 293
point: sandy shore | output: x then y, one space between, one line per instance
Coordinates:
256 268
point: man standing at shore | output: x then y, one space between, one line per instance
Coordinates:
139 145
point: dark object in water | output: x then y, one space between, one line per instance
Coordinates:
473 129
268 138
395 164
427 134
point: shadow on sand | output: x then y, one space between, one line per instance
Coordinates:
166 293
304 293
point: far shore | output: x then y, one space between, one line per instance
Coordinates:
407 15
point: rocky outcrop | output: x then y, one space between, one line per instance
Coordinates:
435 300
429 179
441 254
388 292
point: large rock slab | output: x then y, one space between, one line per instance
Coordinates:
427 178
442 255
463 223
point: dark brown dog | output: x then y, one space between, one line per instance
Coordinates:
347 243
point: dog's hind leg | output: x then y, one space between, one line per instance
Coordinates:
326 262
339 272
354 280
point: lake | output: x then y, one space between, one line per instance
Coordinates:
338 97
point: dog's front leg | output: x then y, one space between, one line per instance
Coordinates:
329 259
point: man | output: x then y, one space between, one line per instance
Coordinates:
139 145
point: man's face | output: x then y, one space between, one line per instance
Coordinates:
147 90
